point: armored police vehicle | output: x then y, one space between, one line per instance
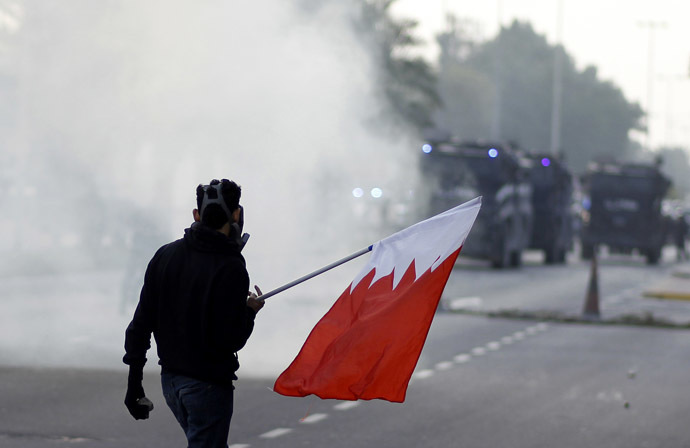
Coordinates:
456 172
623 210
552 200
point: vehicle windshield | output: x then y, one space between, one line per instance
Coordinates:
454 171
615 185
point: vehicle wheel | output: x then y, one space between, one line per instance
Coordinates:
515 258
561 256
551 255
505 259
587 251
653 256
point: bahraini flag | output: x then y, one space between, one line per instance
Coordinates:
369 342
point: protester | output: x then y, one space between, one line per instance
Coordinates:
196 302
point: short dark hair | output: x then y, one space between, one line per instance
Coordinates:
214 216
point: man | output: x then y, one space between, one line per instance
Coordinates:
196 302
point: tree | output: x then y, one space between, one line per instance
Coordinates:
463 88
596 119
518 64
408 82
676 166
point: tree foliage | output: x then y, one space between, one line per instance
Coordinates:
407 80
675 165
503 88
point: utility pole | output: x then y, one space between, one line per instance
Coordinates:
498 78
670 81
557 95
651 26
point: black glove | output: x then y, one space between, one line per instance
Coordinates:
135 400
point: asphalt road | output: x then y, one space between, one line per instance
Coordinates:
622 282
480 382
559 385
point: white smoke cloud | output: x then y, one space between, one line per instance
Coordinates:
124 107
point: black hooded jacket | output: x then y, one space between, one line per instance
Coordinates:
194 302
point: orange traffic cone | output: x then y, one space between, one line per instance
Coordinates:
591 308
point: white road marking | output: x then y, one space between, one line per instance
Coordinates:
610 396
493 345
423 374
313 418
345 405
463 303
462 358
275 433
445 365
426 373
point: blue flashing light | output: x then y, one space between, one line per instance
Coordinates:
426 148
545 161
493 153
586 203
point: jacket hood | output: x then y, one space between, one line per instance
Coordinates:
206 239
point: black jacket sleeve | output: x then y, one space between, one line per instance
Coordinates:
233 320
138 333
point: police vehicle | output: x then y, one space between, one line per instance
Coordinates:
552 203
457 171
623 210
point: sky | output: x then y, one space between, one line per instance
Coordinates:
611 35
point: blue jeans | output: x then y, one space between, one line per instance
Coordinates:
203 410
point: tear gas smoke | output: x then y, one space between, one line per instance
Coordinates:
123 108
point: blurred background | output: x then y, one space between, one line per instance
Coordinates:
331 116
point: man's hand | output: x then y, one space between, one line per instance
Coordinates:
254 301
137 404
135 400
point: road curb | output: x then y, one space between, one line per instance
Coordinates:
672 295
641 319
676 286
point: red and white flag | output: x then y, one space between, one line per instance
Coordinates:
368 343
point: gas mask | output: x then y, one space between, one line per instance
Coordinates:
237 229
213 194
